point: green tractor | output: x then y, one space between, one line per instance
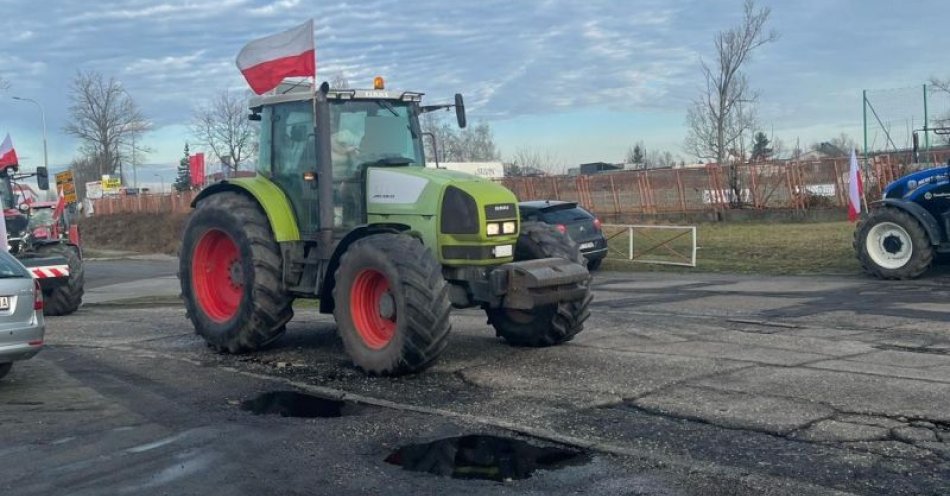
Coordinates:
344 210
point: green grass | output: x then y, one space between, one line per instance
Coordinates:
789 248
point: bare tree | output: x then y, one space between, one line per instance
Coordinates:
221 126
473 144
105 119
719 118
838 146
531 162
942 85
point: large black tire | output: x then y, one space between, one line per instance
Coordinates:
891 244
63 298
594 264
392 304
230 274
546 325
5 369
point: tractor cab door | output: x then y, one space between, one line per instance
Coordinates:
366 133
293 159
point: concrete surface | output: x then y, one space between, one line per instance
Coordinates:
680 384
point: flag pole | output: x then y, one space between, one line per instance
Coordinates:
313 79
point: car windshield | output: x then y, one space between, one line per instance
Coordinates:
10 267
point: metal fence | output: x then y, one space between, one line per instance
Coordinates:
168 203
779 185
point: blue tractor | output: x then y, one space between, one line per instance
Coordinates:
909 227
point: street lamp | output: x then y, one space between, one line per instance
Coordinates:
162 179
43 115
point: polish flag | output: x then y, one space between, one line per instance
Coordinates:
7 153
855 188
265 62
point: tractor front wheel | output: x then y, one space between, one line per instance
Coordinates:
392 304
230 273
545 325
65 297
891 244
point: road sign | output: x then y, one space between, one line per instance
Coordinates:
66 186
94 190
64 177
111 185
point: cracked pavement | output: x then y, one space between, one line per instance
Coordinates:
721 383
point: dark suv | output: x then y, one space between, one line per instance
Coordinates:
569 218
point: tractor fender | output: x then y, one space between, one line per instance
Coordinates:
926 219
271 199
329 281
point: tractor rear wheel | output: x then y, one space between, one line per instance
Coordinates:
63 298
392 304
545 325
891 244
230 273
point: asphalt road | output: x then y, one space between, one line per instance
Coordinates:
108 271
680 384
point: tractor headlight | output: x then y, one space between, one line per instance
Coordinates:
509 227
493 229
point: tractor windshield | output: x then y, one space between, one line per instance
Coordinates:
41 217
373 132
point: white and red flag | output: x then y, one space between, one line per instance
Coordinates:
855 188
265 62
7 152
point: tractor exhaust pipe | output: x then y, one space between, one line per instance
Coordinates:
324 173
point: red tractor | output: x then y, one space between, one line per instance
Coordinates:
41 236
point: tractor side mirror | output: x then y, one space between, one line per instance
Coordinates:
42 178
460 110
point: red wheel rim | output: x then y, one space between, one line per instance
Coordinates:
373 308
217 275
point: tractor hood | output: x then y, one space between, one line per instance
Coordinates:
912 186
419 190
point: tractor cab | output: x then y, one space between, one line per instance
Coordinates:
16 197
351 131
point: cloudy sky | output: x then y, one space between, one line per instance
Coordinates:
579 79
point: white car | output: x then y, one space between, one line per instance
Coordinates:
21 313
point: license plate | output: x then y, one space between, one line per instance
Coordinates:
4 302
587 246
503 251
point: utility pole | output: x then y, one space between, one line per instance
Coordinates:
926 122
43 116
135 172
162 179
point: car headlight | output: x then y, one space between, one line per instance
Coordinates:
509 227
493 229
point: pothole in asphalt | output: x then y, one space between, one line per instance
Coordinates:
296 404
484 457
